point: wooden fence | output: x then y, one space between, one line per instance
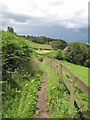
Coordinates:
74 96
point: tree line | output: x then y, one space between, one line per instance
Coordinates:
76 52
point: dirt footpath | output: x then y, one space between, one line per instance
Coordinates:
41 103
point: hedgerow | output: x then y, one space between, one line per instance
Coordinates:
20 77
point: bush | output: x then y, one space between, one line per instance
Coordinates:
77 53
59 55
21 77
87 63
40 58
10 29
59 44
16 54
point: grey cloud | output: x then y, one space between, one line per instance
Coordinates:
15 17
30 20
18 18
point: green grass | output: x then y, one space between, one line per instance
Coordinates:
54 77
43 51
20 82
80 71
54 53
51 54
38 46
22 102
58 107
19 100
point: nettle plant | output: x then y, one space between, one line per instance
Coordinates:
15 51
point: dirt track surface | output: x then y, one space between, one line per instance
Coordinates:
41 103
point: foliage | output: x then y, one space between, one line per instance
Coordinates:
40 57
51 54
16 54
80 71
78 53
59 55
39 46
56 43
59 44
87 62
10 29
21 77
58 107
40 40
20 102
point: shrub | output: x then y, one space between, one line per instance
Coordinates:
87 63
16 54
10 29
21 77
40 58
59 55
59 44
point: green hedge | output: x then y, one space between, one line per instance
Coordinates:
18 69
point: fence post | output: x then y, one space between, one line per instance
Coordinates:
60 74
72 92
56 69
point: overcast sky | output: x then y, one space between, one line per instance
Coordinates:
66 19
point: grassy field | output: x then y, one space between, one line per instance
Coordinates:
80 71
54 53
43 51
22 82
51 54
39 46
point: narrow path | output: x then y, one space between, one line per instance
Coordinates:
42 104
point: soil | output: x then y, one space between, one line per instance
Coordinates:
41 103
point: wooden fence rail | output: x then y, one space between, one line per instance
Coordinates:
71 86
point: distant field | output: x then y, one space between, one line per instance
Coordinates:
51 54
54 53
40 46
43 51
80 71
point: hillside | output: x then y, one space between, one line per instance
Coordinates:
20 75
35 73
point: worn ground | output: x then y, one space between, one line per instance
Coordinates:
41 103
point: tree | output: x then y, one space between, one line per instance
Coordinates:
10 29
59 55
77 53
59 44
